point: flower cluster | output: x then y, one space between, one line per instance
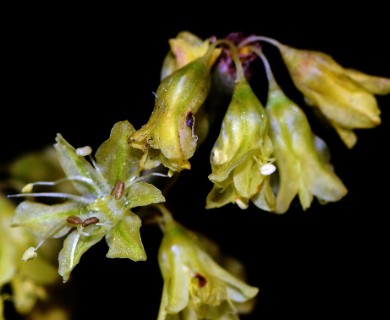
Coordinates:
265 154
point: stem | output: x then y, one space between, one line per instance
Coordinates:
261 38
234 53
271 79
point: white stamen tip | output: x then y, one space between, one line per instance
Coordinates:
267 169
27 188
29 254
84 151
241 204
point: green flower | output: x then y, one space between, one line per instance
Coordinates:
301 157
241 157
195 286
108 189
169 135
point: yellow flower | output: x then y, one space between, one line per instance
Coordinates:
26 279
195 286
170 130
344 96
240 158
300 156
185 48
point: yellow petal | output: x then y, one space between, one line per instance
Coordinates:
373 84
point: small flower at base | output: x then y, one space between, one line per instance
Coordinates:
195 286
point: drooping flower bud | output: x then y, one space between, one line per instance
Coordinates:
344 96
240 152
302 168
170 129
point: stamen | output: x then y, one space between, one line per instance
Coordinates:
202 281
52 195
29 254
84 151
89 221
267 169
75 220
118 190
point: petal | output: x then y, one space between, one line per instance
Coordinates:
344 103
141 194
373 84
46 220
116 159
237 290
124 240
75 245
178 287
77 166
218 197
243 132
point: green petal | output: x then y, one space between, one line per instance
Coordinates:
74 247
44 220
218 197
243 131
77 166
141 194
116 159
124 240
178 286
237 290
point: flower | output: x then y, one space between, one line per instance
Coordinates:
185 48
301 158
170 130
195 286
243 148
26 279
344 96
108 189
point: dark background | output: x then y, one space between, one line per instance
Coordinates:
77 71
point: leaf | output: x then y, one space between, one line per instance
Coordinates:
124 240
75 245
77 166
44 220
116 159
141 194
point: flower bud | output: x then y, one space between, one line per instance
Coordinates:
170 128
345 97
241 150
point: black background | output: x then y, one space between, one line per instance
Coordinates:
77 71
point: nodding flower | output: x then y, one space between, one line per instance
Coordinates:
195 286
345 97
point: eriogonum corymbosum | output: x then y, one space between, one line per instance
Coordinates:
344 96
195 286
241 153
108 189
303 167
170 128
